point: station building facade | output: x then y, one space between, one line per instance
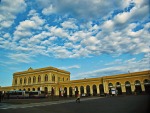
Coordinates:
50 79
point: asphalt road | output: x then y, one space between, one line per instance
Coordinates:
120 104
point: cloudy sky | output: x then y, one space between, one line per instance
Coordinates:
89 38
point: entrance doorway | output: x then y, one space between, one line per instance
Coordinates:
46 90
101 89
118 88
94 90
88 90
82 90
138 89
65 92
76 90
147 86
128 88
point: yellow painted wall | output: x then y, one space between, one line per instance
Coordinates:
62 81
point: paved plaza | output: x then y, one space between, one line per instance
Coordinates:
119 104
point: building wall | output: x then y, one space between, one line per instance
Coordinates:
124 83
39 79
117 81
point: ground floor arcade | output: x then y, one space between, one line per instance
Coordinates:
130 83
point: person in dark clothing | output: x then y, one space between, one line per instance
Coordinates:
78 98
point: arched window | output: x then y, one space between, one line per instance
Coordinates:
33 89
39 78
63 78
53 78
46 77
21 81
34 79
38 88
25 80
29 80
15 81
58 79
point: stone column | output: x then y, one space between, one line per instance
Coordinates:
68 91
105 85
73 91
56 91
142 87
79 90
132 87
91 90
85 90
42 78
98 92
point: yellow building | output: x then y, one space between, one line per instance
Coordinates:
50 78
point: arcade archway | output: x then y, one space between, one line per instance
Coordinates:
94 90
128 88
46 90
101 89
65 92
147 86
118 88
82 90
76 90
138 89
88 90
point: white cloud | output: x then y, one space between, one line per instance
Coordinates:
20 57
90 41
132 65
94 8
70 67
33 13
49 10
122 17
25 28
9 11
59 52
58 32
108 25
69 25
71 39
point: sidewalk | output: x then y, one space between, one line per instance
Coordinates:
13 104
40 100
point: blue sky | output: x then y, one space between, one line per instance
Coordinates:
89 38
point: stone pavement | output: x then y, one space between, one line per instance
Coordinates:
11 104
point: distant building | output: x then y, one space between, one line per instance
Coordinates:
50 79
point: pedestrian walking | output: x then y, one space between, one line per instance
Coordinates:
78 98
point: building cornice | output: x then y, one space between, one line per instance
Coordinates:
41 70
127 75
